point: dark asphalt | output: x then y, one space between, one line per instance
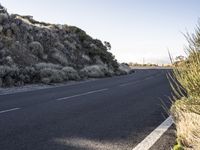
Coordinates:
118 114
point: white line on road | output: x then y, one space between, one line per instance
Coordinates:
126 84
151 139
4 111
78 95
136 82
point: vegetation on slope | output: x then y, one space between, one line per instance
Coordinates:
32 52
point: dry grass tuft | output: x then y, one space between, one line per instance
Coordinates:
187 124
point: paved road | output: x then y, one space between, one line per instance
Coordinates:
111 113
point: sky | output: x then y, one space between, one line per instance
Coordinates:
138 30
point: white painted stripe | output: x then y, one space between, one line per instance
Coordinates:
13 109
136 82
151 139
78 95
126 84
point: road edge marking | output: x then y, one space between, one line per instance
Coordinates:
82 94
8 110
155 135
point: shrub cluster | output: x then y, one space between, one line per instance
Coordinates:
12 75
96 71
39 73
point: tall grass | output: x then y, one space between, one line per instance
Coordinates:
186 109
188 72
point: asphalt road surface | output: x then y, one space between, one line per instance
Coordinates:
105 114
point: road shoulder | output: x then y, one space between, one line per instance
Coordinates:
167 140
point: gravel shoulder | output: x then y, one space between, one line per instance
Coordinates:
167 140
33 87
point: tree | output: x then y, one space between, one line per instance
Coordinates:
107 45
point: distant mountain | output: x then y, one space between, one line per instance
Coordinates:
34 52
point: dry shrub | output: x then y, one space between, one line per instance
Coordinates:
60 58
49 75
94 71
187 123
41 66
36 48
124 69
71 73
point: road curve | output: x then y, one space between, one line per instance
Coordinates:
106 114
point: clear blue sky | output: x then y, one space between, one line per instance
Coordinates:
136 29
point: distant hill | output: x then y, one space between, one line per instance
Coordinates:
34 52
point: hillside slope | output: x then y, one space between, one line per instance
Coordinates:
33 52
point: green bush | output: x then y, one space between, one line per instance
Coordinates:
178 147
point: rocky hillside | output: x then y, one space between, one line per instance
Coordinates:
35 52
